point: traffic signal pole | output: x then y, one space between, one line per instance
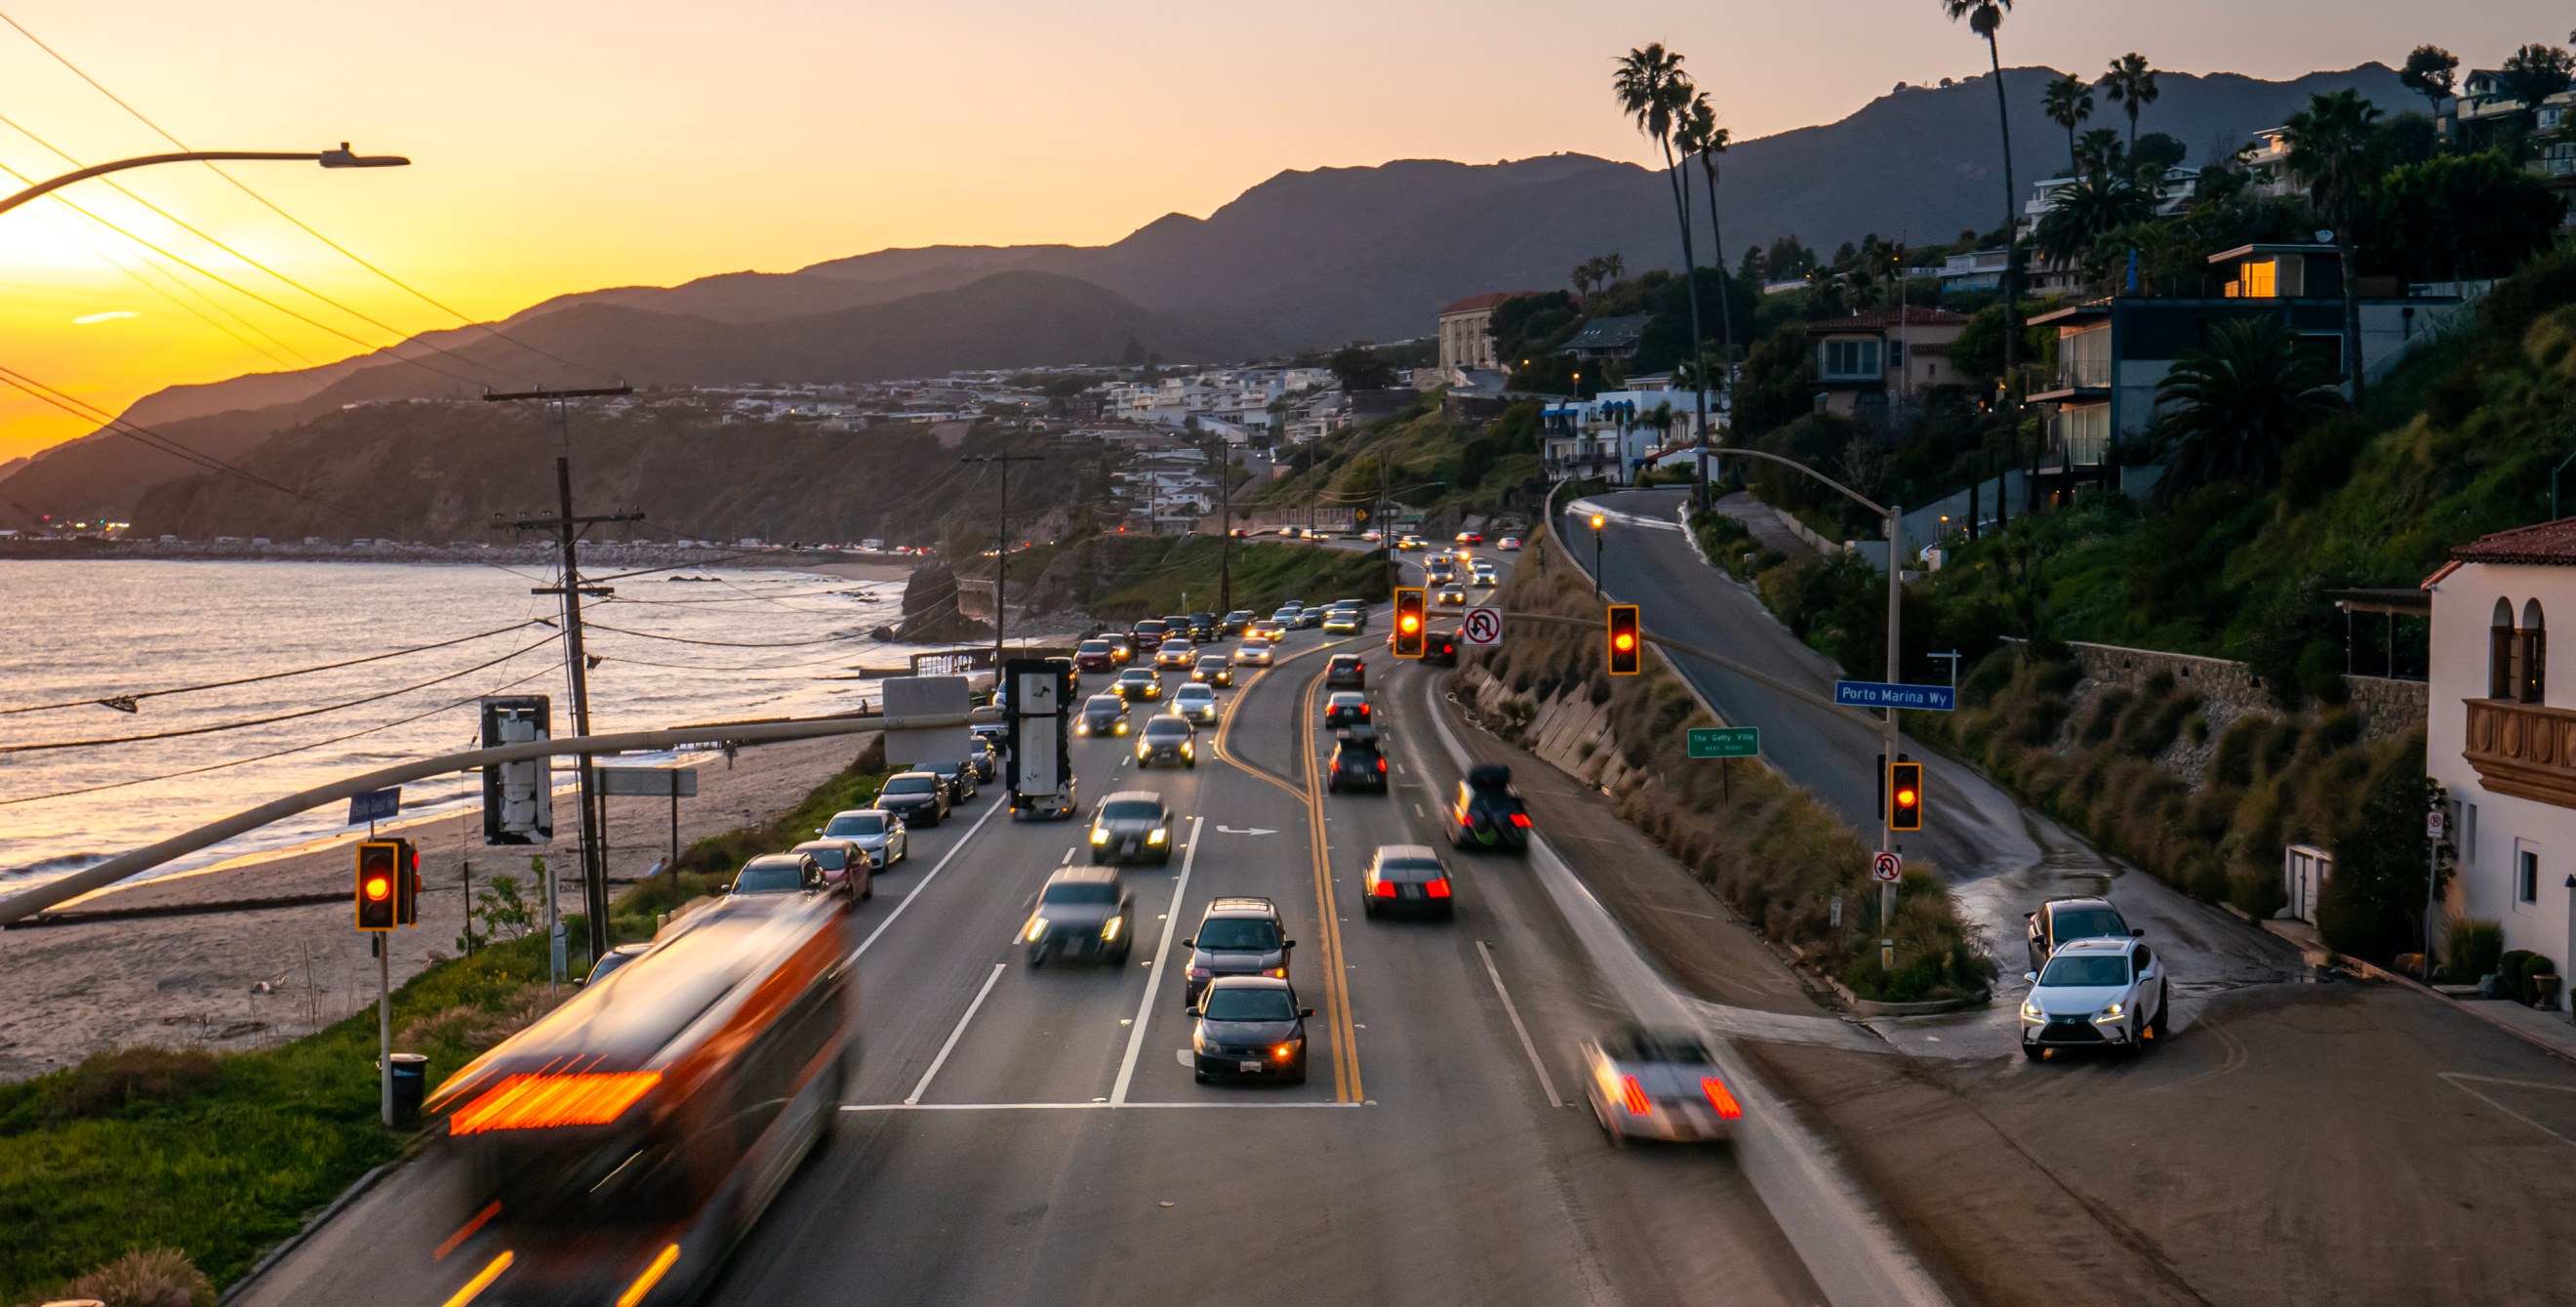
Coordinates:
385 1030
1886 817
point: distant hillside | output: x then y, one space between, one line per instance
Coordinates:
1305 259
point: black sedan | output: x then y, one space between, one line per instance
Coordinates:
1082 911
919 797
1249 1027
1357 763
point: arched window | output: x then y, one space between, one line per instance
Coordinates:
2534 660
2500 652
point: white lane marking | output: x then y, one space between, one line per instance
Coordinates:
2457 1077
1248 830
1093 1106
924 883
955 1035
1068 857
1544 1081
1154 977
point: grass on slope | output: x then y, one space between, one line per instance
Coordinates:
1428 463
1121 578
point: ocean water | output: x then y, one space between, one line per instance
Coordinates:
78 632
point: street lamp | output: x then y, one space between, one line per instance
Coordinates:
1597 582
339 158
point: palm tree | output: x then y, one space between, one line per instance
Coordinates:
2100 151
1984 17
1613 267
2431 72
2331 144
2131 84
1653 90
2068 100
2100 202
2234 408
1704 139
1585 276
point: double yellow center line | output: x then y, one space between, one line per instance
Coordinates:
1337 996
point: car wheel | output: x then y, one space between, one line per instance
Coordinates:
1609 1132
1037 957
2032 1051
871 891
1368 910
1199 1076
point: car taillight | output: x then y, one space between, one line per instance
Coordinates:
1633 1096
1466 821
1438 889
1283 1052
1381 764
1521 819
1385 889
1364 710
1724 1102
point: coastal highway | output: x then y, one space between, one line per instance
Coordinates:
1016 1135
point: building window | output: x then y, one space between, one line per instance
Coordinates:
1849 360
2534 659
2469 834
2256 281
2526 875
1896 356
2500 651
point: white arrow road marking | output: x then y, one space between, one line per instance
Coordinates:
1248 830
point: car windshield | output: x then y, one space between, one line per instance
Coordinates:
2085 970
1409 870
1653 1046
766 880
1095 892
1237 932
1198 694
912 785
1211 660
1345 701
1149 628
830 857
1131 810
1104 703
1345 660
1160 729
856 823
1250 1004
1095 646
2089 923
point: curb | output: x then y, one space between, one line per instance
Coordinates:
2562 1054
353 1193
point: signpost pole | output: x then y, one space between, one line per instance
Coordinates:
385 1023
675 832
1887 833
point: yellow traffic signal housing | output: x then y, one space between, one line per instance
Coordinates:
1905 796
1627 643
1411 622
381 874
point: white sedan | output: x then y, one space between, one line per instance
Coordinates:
1657 1084
2095 993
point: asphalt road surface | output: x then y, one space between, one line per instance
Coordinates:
1019 1135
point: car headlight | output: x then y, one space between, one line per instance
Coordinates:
1200 973
1037 929
1122 728
1185 748
2030 1011
1099 836
1109 932
2112 1013
1283 1052
1277 973
1157 836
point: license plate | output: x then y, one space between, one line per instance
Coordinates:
1248 1068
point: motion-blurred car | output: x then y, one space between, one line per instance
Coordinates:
1274 627
2061 920
1487 812
1122 648
1357 763
1453 597
1102 714
1508 544
919 797
1174 656
1213 669
1408 543
1237 936
611 961
1094 656
1167 738
2095 993
1346 708
1406 878
959 777
1345 621
846 866
1346 672
1236 621
879 834
1138 683
1373 535
1252 653
778 873
1657 1084
1251 1027
1196 703
1470 538
1132 826
1082 911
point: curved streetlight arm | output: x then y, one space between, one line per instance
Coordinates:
1848 493
339 158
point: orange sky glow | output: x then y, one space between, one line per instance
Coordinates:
576 144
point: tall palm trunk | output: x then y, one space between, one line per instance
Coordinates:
1725 288
2012 246
1690 287
2344 258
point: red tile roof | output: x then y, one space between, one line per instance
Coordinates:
1915 315
2542 545
1486 301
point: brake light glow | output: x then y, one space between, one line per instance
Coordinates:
1438 889
652 1275
1384 889
1633 1096
1724 1102
1381 764
536 1102
1283 1052
1521 819
1364 710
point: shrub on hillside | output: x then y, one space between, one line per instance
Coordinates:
2470 950
2373 905
156 1277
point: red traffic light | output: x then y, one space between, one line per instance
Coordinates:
380 864
1905 792
379 887
1625 639
1410 617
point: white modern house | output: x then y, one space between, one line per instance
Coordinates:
2500 732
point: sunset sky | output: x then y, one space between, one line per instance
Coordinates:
570 144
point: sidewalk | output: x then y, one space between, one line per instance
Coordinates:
1771 528
2551 1031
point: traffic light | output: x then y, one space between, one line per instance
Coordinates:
406 883
380 876
1627 645
1905 796
1409 622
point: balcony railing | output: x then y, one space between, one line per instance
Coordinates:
2527 750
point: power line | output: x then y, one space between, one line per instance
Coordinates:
49 745
720 644
130 699
158 289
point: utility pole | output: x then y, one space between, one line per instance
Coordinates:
1225 543
594 865
1002 545
1886 811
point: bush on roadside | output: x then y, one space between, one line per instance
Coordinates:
2470 950
155 1277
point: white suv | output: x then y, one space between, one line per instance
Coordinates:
2095 993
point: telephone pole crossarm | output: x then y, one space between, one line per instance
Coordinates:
1001 546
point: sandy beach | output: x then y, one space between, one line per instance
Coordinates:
242 979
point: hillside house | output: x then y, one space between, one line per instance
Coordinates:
1880 359
1467 331
1608 338
2113 353
2501 733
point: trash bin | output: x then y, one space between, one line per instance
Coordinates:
411 1084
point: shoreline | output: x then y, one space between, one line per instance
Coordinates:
253 978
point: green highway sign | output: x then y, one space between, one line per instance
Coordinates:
1726 742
